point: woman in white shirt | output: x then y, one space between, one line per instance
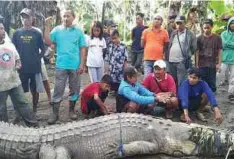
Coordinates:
96 45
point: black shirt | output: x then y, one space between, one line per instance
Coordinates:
136 34
28 44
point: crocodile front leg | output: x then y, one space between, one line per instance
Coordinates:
62 153
29 151
49 152
132 149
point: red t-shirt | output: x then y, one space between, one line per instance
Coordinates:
167 84
88 94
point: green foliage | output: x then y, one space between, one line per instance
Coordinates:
87 20
219 9
219 26
217 6
85 12
127 32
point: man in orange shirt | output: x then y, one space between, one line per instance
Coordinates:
153 40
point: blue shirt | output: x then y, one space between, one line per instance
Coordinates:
68 42
136 93
136 34
186 91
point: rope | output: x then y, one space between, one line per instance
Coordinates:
217 140
230 148
230 145
120 148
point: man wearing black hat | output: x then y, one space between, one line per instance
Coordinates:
182 45
28 42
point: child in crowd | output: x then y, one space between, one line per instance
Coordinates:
133 97
95 61
116 59
93 97
194 94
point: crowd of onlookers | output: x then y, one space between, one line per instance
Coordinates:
179 66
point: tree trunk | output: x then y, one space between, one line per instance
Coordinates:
103 12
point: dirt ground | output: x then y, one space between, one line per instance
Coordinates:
44 109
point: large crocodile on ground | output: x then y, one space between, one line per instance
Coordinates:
113 136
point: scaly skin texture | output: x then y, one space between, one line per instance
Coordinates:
100 138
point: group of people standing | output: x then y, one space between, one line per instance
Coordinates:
108 68
160 53
176 46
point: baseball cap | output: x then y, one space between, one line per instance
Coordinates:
180 18
160 63
173 16
26 11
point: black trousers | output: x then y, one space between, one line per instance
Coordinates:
209 75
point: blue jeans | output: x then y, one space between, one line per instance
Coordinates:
148 67
137 59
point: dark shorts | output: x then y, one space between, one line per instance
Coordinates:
28 79
194 103
121 101
93 106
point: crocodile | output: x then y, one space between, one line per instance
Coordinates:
114 136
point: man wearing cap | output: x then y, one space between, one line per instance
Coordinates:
153 41
163 84
71 53
182 46
30 46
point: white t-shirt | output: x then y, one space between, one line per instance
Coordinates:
7 38
8 73
95 52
